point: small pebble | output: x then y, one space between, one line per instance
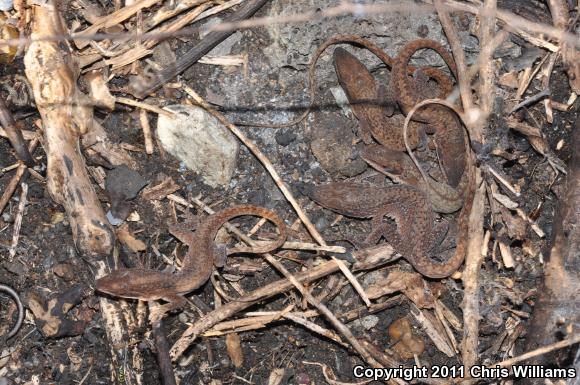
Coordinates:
284 138
423 31
112 220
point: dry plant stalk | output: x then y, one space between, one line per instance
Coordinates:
65 116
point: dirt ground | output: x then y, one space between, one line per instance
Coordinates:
272 87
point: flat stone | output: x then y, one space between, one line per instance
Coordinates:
200 141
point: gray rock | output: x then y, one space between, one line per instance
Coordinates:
6 5
284 138
365 323
202 143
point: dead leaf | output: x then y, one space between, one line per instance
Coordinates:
99 91
129 240
276 376
234 349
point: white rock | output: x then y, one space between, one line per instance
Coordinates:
6 5
200 141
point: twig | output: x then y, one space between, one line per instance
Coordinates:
540 351
20 174
263 159
144 106
143 89
163 359
474 258
530 100
146 127
18 219
315 328
14 135
367 259
113 19
82 381
486 71
503 181
458 56
313 301
529 75
517 23
531 354
12 186
313 247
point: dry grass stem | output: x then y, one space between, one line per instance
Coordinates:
147 132
18 219
142 105
12 185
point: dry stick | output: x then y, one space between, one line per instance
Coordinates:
28 135
234 230
163 359
131 55
12 186
471 277
344 8
231 308
471 273
14 135
518 24
473 258
167 13
113 19
540 351
458 56
141 90
146 127
263 159
18 219
260 319
574 339
486 71
20 172
309 297
144 106
315 328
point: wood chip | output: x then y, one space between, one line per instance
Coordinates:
161 190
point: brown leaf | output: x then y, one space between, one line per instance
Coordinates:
234 349
129 240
